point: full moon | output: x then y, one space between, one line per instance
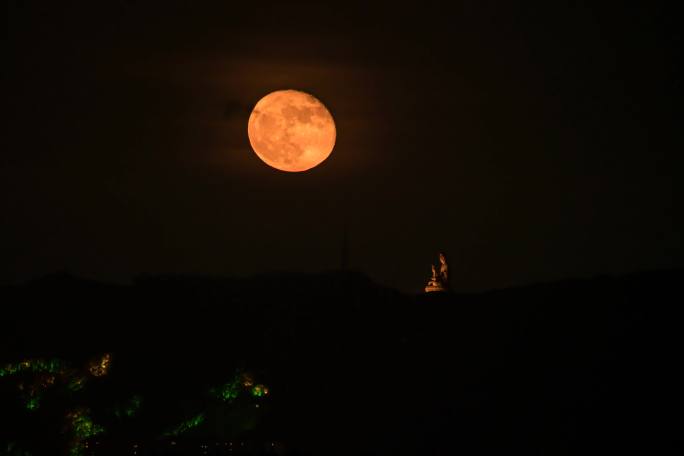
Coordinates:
291 130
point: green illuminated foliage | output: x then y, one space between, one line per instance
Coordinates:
259 391
228 391
76 383
82 424
37 380
241 382
185 426
130 408
82 428
33 403
39 365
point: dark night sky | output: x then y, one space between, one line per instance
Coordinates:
530 143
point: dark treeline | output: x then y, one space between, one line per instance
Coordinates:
574 367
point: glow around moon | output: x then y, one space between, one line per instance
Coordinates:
291 130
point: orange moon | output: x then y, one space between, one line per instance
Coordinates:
291 130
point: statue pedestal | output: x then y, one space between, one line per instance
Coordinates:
433 286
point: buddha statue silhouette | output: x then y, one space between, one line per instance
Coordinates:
440 278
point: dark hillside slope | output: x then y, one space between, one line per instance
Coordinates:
575 367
